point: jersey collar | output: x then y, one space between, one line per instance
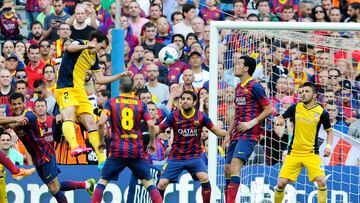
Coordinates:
246 82
191 115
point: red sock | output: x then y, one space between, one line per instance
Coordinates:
4 160
206 192
232 189
162 192
226 187
71 185
98 193
154 194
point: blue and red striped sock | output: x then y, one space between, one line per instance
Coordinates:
154 194
98 193
60 197
206 191
4 160
232 189
227 181
72 185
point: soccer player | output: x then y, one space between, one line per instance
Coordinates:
303 150
41 152
186 150
251 107
126 148
79 57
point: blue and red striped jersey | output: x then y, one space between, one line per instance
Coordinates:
9 26
126 112
135 70
175 70
208 15
35 143
187 133
250 98
32 6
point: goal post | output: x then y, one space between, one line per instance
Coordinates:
216 53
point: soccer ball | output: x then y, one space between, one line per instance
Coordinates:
168 55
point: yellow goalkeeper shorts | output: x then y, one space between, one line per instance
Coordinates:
3 195
293 165
74 97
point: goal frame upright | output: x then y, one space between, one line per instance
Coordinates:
215 27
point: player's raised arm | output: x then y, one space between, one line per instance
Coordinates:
151 126
103 117
76 46
16 119
101 79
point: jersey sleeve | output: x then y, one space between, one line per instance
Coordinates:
260 94
96 67
290 112
207 122
107 107
31 117
325 120
167 122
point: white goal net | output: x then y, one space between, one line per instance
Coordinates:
287 56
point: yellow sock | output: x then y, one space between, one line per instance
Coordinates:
94 139
3 195
322 195
69 133
279 195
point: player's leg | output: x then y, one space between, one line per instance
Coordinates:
3 194
316 173
289 172
170 173
163 183
111 171
54 188
18 173
141 170
88 120
242 152
229 156
198 170
88 185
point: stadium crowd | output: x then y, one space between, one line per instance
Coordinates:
29 62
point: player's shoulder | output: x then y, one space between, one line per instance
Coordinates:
30 115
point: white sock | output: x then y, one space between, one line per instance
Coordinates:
87 185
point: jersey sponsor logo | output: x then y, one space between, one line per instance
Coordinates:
188 132
241 101
130 136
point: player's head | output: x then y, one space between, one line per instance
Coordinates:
188 100
17 103
152 108
126 84
244 65
308 92
100 39
5 140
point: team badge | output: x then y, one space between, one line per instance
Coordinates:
197 122
316 115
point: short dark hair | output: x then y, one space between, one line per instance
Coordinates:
174 14
142 91
16 96
126 84
250 63
105 93
44 40
178 35
4 133
20 82
48 65
39 83
99 36
252 15
149 25
311 85
193 95
33 46
35 23
187 7
191 34
41 100
151 102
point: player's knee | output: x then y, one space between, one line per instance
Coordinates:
227 171
163 184
203 177
321 181
54 187
68 113
281 184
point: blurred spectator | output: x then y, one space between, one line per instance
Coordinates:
155 13
135 20
64 32
32 9
45 121
136 63
159 90
44 47
125 11
10 22
139 81
149 57
34 69
46 9
298 73
334 79
211 12
354 129
305 9
200 75
49 78
348 104
41 93
197 25
327 5
11 63
6 89
238 9
264 11
172 104
176 18
335 15
186 81
287 14
184 27
336 122
36 32
149 40
79 28
6 146
53 20
163 36
351 11
101 13
2 62
319 14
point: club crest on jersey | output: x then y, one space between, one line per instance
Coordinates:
241 101
197 122
316 115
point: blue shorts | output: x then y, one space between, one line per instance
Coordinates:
173 168
241 149
113 167
49 171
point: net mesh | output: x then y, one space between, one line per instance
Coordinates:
285 60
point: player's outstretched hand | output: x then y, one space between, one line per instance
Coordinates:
91 45
151 148
327 152
127 73
279 121
21 119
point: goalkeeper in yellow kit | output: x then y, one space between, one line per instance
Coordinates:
303 150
